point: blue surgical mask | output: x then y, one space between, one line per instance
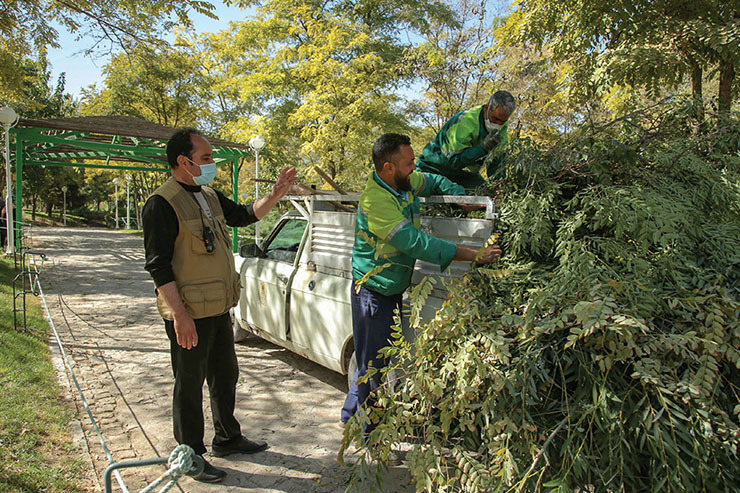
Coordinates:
207 173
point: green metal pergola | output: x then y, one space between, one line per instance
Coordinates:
104 142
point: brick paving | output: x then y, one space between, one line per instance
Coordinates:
102 303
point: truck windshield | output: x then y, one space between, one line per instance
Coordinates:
284 244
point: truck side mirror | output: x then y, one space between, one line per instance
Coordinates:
250 250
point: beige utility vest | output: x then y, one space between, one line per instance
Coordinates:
207 281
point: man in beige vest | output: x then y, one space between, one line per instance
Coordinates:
188 254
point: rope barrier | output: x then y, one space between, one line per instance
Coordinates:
181 461
79 389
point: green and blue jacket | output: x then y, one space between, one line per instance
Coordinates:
458 145
387 232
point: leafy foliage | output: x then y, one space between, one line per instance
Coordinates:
157 86
322 78
604 355
642 43
40 97
27 27
43 98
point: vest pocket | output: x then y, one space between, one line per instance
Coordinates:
205 298
198 246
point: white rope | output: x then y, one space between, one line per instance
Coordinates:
77 385
180 462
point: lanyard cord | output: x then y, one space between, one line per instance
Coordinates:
208 235
200 208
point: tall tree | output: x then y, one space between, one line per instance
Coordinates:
322 76
161 86
27 26
651 44
41 97
38 95
454 63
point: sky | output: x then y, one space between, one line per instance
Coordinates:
82 71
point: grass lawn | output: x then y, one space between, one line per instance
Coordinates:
36 453
55 220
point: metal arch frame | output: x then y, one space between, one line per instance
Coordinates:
31 144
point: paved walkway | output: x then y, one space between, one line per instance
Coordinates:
102 303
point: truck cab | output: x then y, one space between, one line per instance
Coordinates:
296 283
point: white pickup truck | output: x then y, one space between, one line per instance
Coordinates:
296 282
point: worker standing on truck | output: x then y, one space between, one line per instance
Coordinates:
387 231
459 149
188 254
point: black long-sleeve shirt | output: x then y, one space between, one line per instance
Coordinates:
161 227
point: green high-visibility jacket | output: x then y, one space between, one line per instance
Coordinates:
458 145
387 231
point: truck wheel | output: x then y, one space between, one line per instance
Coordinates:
239 333
351 370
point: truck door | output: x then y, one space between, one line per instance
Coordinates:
266 282
320 312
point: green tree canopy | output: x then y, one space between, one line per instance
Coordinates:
321 77
28 26
642 43
42 97
161 86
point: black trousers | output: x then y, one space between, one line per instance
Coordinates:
213 360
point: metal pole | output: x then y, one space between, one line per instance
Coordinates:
116 184
235 198
9 118
18 216
128 224
256 191
256 143
64 191
10 250
137 203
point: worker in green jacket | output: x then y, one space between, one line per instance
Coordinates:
461 146
387 232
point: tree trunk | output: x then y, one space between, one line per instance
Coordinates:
726 78
696 90
138 213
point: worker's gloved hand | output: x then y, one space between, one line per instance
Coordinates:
489 255
491 141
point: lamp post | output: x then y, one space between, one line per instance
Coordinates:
8 119
115 182
64 191
256 143
128 206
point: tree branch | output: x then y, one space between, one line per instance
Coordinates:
542 452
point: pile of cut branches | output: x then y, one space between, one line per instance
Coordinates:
602 353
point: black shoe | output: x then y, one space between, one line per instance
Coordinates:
240 446
210 474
